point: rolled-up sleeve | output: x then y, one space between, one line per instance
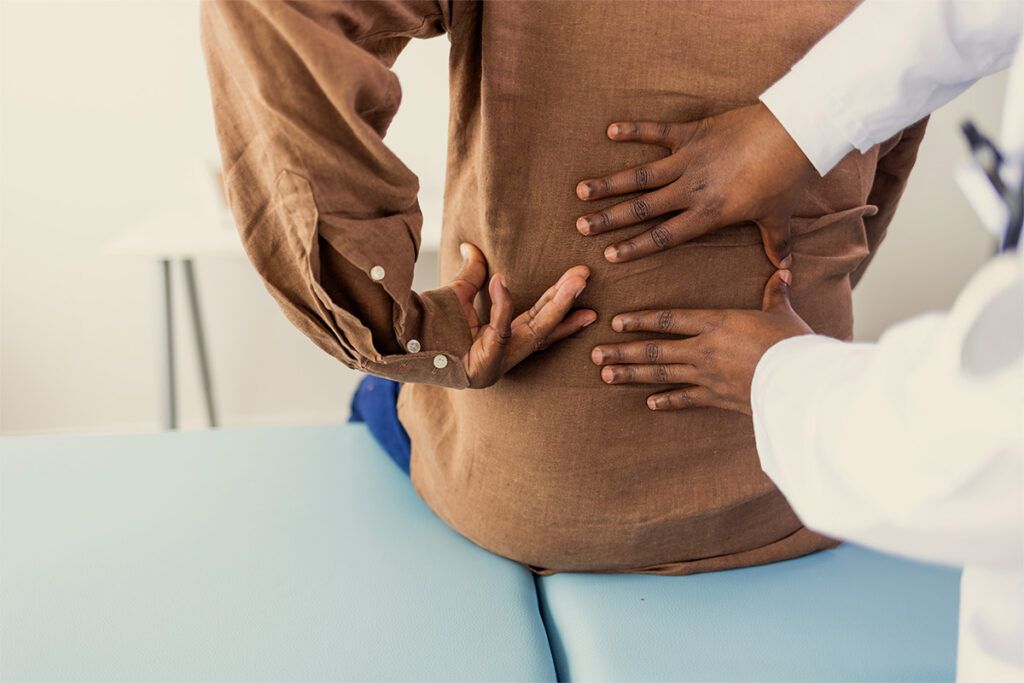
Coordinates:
303 94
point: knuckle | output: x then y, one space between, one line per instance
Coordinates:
710 323
707 354
661 373
606 220
661 237
606 185
641 209
665 129
652 352
641 177
665 320
712 208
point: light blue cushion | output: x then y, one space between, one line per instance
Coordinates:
290 554
847 614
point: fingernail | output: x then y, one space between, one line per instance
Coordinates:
579 291
464 250
614 129
583 191
608 375
617 324
786 276
583 225
652 403
502 281
596 356
611 253
787 262
591 321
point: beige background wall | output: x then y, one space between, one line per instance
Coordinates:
105 119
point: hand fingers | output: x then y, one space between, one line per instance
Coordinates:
468 281
651 351
631 212
778 244
776 292
671 321
474 266
651 132
656 174
580 271
535 334
681 399
498 332
573 323
677 230
660 373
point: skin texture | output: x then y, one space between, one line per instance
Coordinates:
714 358
504 341
727 169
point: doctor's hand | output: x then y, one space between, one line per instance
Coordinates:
735 167
716 358
504 341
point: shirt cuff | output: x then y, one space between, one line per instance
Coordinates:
804 112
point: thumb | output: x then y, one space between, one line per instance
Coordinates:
471 275
775 233
776 292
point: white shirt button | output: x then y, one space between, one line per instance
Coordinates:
377 273
440 361
413 346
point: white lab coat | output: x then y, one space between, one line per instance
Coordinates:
915 444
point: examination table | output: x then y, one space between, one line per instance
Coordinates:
304 554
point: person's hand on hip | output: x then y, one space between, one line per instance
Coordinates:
505 340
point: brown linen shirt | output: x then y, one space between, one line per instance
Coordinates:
549 467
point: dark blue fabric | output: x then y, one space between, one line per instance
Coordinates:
375 403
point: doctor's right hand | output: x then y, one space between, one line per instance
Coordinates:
503 341
738 166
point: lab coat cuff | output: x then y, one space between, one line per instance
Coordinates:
786 383
809 117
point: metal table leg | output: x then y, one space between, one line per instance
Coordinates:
170 399
197 327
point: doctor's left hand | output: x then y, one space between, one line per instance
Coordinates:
716 358
738 166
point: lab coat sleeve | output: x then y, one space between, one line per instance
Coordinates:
914 444
888 65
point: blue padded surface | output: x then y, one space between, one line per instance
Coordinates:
290 554
847 614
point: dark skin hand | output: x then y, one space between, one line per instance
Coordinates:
715 358
727 169
505 340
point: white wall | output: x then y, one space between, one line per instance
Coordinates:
105 119
935 241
